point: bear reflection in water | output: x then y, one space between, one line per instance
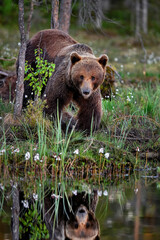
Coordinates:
75 219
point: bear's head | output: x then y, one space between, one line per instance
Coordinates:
83 225
87 72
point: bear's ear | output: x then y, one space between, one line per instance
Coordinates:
103 60
75 58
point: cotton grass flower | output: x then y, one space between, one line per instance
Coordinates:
36 157
16 150
74 192
1 186
105 193
55 196
27 156
106 155
2 151
99 193
35 196
58 158
25 203
101 150
76 151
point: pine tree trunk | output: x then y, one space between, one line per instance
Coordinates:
29 19
99 14
145 16
21 68
65 15
137 9
54 14
15 213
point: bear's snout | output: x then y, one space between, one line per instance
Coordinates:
82 214
86 89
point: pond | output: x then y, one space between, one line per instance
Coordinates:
124 207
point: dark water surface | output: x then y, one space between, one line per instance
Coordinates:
127 208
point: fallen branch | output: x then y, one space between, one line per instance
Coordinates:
4 73
8 59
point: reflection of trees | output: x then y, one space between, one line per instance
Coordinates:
15 212
137 212
132 212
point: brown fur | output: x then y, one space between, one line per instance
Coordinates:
7 87
77 77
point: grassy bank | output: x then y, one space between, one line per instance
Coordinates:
129 132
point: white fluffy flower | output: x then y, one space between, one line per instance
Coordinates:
27 156
2 151
76 151
74 192
1 186
25 203
35 196
36 157
99 193
106 155
55 196
105 193
58 158
101 150
16 150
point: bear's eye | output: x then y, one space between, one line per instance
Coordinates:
93 78
76 225
81 77
87 225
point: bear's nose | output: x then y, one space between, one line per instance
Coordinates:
86 92
81 211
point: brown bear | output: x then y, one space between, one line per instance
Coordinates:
75 219
7 86
77 77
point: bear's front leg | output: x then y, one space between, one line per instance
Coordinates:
90 112
58 96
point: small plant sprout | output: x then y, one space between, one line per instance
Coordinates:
27 156
38 79
76 151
